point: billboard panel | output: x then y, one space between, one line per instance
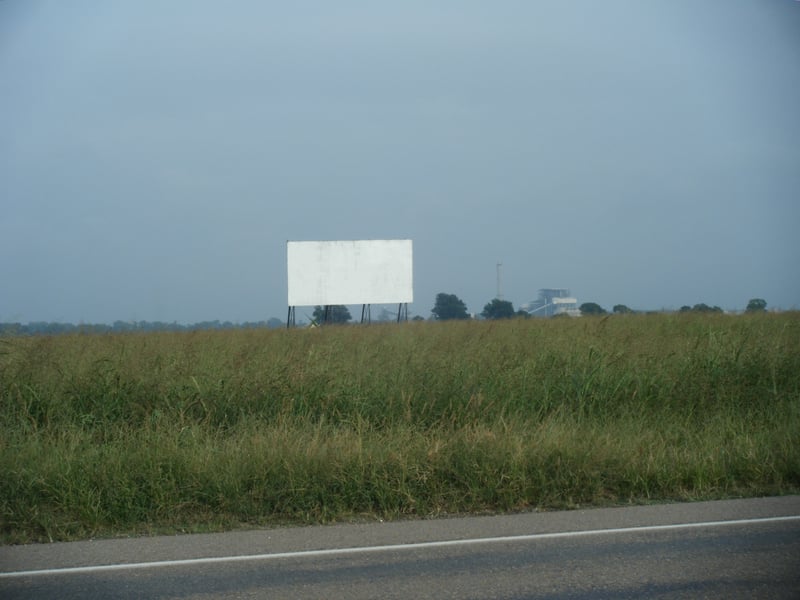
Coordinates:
349 272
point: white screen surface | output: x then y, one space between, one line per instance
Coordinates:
349 272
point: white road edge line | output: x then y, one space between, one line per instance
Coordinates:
387 548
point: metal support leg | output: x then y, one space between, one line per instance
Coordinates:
402 312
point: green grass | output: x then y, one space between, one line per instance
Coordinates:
138 433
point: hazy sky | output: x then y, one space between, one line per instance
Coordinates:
155 157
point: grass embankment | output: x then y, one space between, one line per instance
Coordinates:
101 435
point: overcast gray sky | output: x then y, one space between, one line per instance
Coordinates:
155 157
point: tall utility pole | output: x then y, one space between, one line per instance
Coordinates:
499 293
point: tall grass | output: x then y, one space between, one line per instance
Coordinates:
208 430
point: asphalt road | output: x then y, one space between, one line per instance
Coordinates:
729 549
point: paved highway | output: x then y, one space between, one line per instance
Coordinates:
729 549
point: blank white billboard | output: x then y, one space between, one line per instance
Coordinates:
349 272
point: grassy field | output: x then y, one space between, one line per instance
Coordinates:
139 433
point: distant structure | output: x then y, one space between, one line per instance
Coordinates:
499 290
553 302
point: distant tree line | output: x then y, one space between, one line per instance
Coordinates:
450 306
701 308
446 307
54 328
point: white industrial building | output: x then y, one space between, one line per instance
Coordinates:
553 302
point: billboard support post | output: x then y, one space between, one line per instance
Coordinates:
402 312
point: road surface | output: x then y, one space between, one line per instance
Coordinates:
728 549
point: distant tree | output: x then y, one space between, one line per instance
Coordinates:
449 306
498 309
418 318
274 323
705 308
336 314
522 314
591 308
12 329
621 309
686 308
121 326
756 305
